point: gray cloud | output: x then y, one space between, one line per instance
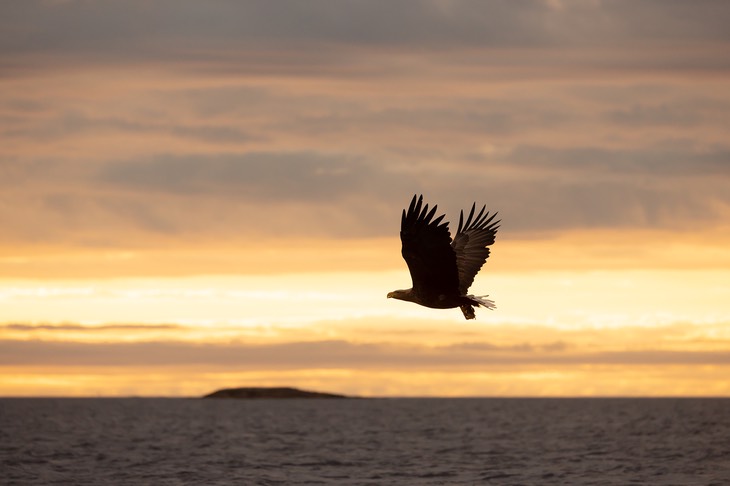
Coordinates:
257 176
285 154
73 123
653 115
674 160
330 37
424 119
47 26
238 195
25 327
331 354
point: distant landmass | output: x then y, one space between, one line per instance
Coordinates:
265 392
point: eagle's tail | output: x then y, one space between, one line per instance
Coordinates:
482 301
479 301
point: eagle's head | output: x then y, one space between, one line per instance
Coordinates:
403 294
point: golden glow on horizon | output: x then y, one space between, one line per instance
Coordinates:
567 251
598 299
591 298
544 315
538 381
228 195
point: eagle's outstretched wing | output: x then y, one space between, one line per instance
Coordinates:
471 244
427 250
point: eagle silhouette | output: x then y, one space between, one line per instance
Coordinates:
442 269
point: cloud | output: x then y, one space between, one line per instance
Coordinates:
159 27
75 123
321 119
333 354
335 195
24 327
260 176
662 162
618 187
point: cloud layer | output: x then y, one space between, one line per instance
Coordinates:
149 148
75 25
132 125
333 355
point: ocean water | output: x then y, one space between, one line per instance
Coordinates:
160 441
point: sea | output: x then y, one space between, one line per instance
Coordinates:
373 441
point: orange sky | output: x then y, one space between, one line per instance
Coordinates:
188 205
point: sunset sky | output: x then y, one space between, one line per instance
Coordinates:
206 194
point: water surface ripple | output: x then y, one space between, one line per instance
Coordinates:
365 442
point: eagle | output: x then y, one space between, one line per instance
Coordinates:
442 269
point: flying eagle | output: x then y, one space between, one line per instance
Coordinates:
442 269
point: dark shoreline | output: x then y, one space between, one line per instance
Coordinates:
270 392
444 397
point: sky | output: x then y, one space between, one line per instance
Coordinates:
196 195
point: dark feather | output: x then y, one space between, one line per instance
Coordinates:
427 250
471 244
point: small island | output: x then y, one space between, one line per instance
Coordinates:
269 392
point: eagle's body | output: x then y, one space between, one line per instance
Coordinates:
442 269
